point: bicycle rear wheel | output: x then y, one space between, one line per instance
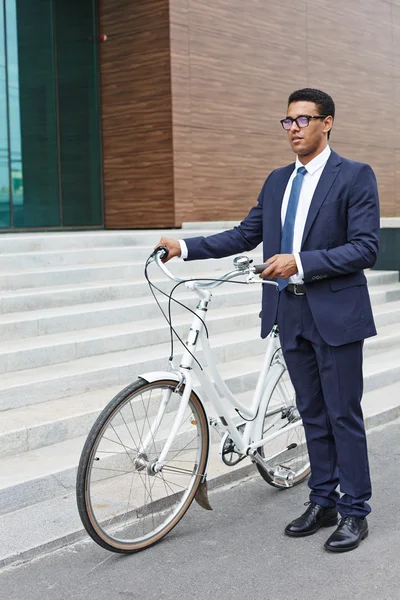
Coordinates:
125 506
285 455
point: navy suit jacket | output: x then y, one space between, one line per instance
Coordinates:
341 238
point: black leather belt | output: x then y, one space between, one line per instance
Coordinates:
298 289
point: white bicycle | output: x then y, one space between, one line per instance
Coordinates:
145 458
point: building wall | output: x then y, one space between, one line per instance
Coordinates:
193 92
136 114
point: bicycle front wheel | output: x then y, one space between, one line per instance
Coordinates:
123 504
285 451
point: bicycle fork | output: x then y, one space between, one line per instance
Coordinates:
184 401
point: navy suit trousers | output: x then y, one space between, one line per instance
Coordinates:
328 381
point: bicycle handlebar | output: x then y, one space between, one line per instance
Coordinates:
260 268
242 267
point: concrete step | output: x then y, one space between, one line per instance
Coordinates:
60 296
32 269
79 376
388 337
50 241
40 322
386 314
385 293
36 425
29 324
66 257
90 273
15 301
76 369
50 470
50 349
48 474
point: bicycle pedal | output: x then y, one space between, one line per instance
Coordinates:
284 476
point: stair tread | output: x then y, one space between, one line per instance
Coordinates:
50 460
118 282
387 331
34 415
92 307
66 251
106 331
156 277
99 305
381 361
129 357
111 359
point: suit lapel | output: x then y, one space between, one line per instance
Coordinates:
274 217
325 183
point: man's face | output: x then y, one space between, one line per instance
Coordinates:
310 139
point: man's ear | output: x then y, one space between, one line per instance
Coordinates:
328 124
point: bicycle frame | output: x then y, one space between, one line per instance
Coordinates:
248 440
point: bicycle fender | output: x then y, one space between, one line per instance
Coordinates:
153 376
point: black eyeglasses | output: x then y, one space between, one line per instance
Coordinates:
301 121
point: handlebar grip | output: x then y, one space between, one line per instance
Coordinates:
162 251
260 268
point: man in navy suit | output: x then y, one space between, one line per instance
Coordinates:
318 220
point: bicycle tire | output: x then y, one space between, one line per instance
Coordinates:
294 436
94 524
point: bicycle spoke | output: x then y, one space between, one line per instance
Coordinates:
171 469
128 502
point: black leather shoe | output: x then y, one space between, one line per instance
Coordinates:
349 534
314 518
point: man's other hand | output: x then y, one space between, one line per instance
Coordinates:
280 265
174 248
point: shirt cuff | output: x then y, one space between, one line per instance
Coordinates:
184 249
300 272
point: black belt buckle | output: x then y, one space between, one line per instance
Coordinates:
296 292
294 288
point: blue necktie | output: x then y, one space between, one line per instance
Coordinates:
288 227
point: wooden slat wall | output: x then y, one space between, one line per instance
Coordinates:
193 90
233 65
136 114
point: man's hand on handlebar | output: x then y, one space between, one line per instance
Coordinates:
280 265
174 248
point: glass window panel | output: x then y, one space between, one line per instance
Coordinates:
4 165
80 146
32 113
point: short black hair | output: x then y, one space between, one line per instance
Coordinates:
323 101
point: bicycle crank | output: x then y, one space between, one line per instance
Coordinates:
281 475
228 451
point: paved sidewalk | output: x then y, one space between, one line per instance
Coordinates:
237 552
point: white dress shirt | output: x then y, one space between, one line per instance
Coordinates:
310 181
314 171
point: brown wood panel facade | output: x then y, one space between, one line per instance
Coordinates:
193 90
136 114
